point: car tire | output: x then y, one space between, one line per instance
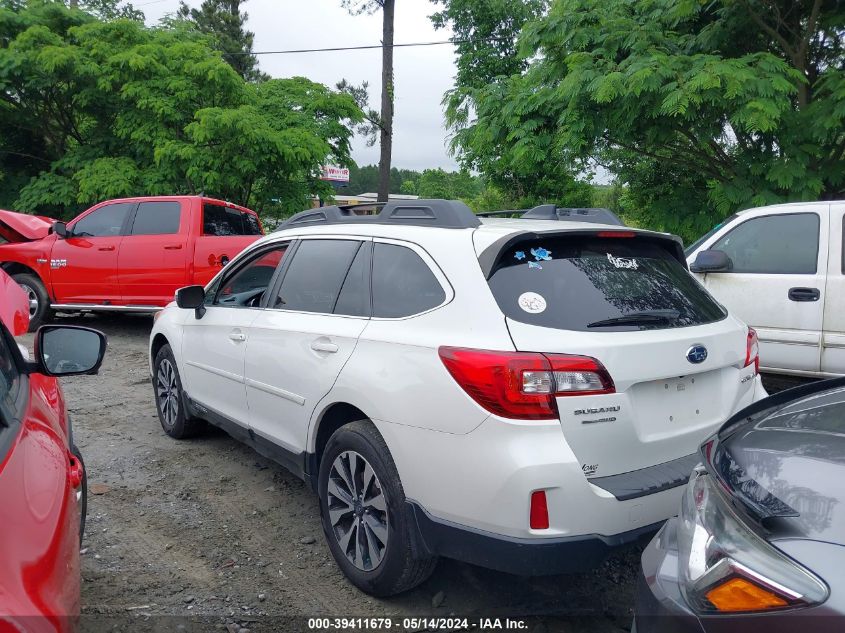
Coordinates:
83 489
170 398
382 562
39 300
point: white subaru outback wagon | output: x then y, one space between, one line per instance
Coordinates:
520 394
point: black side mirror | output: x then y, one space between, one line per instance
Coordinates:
192 298
711 262
60 229
69 350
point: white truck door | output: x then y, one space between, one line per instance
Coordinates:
833 339
777 282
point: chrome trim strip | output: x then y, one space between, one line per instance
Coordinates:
215 371
93 307
275 391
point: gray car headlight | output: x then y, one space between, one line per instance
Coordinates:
726 567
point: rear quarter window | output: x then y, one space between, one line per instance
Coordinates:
403 284
572 283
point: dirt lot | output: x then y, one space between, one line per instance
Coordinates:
207 535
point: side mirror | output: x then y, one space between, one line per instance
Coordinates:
711 262
192 298
69 350
60 229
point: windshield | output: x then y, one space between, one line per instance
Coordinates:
598 285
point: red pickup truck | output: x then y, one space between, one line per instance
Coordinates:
128 255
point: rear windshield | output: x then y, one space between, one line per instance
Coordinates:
585 283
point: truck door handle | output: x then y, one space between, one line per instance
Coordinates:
106 248
321 345
804 294
173 247
237 336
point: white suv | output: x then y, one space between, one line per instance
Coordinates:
519 394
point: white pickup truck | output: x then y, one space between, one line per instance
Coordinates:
781 270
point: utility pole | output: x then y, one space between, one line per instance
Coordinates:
386 140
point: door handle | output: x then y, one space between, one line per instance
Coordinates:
106 248
237 336
804 294
173 247
324 346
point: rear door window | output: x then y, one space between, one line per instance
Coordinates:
315 275
588 283
403 284
354 297
776 244
157 218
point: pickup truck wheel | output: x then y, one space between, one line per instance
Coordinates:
362 507
39 300
169 397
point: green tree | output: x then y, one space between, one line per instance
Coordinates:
385 122
225 22
516 154
700 108
92 110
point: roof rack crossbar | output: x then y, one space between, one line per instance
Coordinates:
553 212
446 214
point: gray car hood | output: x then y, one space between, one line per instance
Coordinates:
792 461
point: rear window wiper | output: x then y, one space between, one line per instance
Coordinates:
639 318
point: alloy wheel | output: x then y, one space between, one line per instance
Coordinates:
358 510
168 392
32 297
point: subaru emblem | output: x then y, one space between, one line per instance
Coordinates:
697 354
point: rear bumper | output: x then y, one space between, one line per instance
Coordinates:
521 556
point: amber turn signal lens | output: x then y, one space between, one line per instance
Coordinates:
738 594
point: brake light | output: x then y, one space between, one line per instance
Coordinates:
616 234
538 518
752 350
524 385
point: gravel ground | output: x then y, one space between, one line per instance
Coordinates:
207 535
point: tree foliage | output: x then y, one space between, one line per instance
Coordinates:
225 22
93 109
518 156
700 108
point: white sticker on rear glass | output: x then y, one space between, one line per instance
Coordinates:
531 302
623 262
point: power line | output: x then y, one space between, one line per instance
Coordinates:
332 49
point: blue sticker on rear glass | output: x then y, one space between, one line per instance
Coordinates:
520 255
535 265
541 254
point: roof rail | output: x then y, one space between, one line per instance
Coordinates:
444 214
552 212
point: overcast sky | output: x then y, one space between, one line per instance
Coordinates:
422 74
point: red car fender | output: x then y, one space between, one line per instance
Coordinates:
14 309
39 551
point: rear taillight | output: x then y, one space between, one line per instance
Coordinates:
752 350
524 385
